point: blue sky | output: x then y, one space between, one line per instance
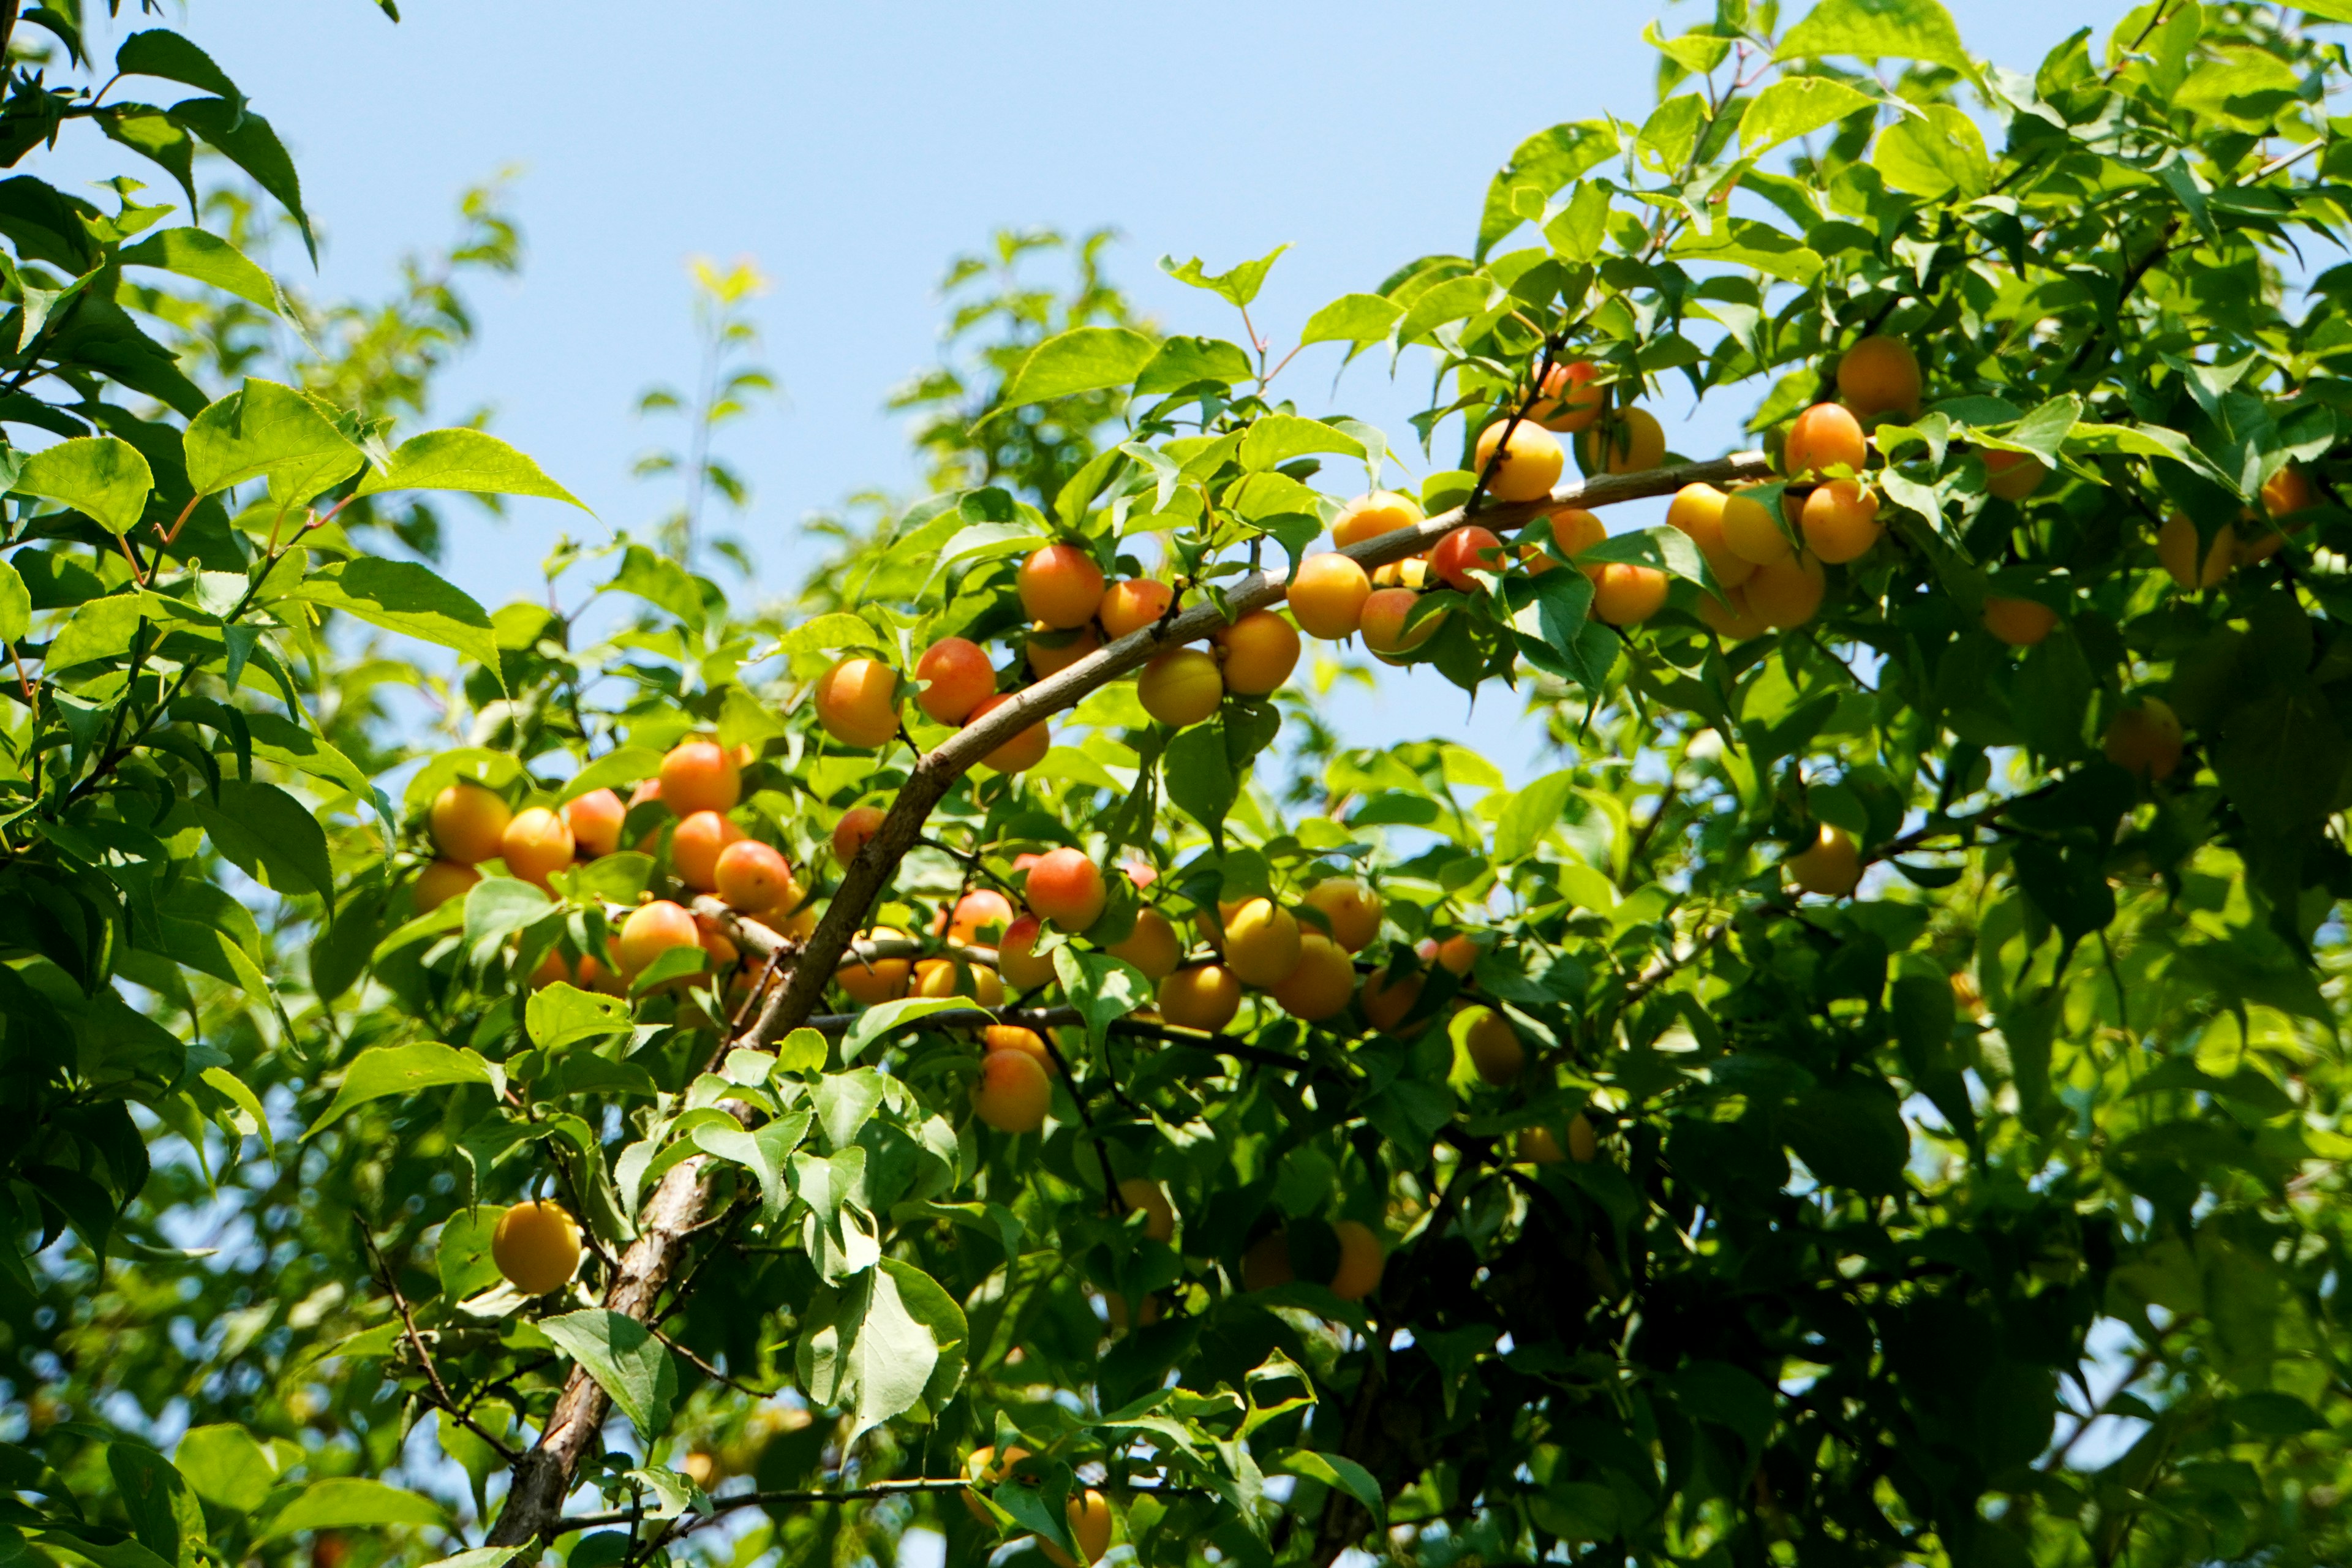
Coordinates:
852 150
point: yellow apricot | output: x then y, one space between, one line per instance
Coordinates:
1841 520
1786 592
1152 947
1879 375
1697 510
537 1246
2020 622
1370 516
1181 686
1322 983
1360 1259
440 881
1205 997
1353 909
1327 595
1830 866
1261 943
1528 465
1257 653
1751 533
1626 595
1629 441
1012 1092
2175 551
467 823
1492 1047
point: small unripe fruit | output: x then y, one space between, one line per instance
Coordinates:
1259 651
695 847
1463 551
1266 1264
1879 376
2144 739
1370 516
1152 947
537 1246
1181 687
1824 437
978 913
1384 627
653 930
1492 1047
468 822
1697 510
1089 1527
858 824
536 843
1023 968
1012 1092
874 981
952 676
1261 943
1841 520
857 702
1204 997
945 977
1732 616
1050 652
595 819
1583 1142
1385 1001
1327 595
700 775
1360 1259
2175 551
2020 622
1788 592
1631 441
440 881
1524 468
1130 605
1830 866
1625 594
1025 751
1060 584
1146 1198
1570 401
1322 983
1751 533
2013 476
1353 909
1066 888
751 876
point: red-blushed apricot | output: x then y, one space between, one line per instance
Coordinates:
1018 961
1262 942
1879 376
1353 909
1537 1146
2013 476
1570 401
1181 687
1841 520
1788 592
595 819
467 822
1822 437
1523 466
1142 873
1751 533
551 969
1327 595
1061 585
1066 888
1050 652
2144 739
1492 1047
1732 617
1361 1261
1089 1516
873 981
695 846
1266 1264
952 676
1626 595
1257 653
987 1469
652 929
1131 605
1629 441
857 702
1372 515
1205 997
536 843
858 825
1458 953
1013 1037
1385 1001
1148 1198
749 876
1831 865
1152 947
1697 510
2175 551
700 774
979 913
1012 1092
537 1246
1583 1142
946 977
1463 551
2020 622
1322 983
1385 628
1025 751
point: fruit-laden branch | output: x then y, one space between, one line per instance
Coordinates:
545 1476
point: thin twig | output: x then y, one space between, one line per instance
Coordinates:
441 1395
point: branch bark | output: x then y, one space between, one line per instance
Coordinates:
545 1476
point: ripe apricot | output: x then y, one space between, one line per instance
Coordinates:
749 876
1012 1092
976 913
1492 1047
1050 652
1386 632
2013 476
1458 953
858 824
1574 532
1353 909
1732 616
1360 1259
1524 468
438 882
1025 751
1879 376
1370 516
1152 947
1089 1527
984 1468
1824 437
551 969
1830 866
2288 491
1697 510
1788 592
946 977
1385 1001
1569 400
874 981
1013 1037
467 823
2175 551
1841 520
1629 441
2144 739
593 975
1066 888
537 1246
857 701
1583 1142
695 847
1261 943
722 948
1413 572
536 843
1132 604
652 929
1751 533
1061 585
1320 984
1181 686
1017 959
952 676
1205 997
1537 1146
595 819
1266 1264
700 774
2020 622
1148 1198
1625 594
1463 551
1258 653
1327 595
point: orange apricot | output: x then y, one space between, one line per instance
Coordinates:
1697 510
1537 1146
1788 592
695 847
1629 441
985 1467
2013 476
1384 627
595 819
467 822
1583 1142
1066 888
976 913
1327 595
1625 594
1026 749
1320 984
1017 958
1841 520
2020 622
857 701
1152 947
1459 952
551 969
2288 491
1132 604
857 825
1050 652
1360 1259
536 843
1148 1199
1823 437
1181 686
1574 532
1879 376
440 881
874 981
2175 551
537 1246
1258 652
1370 516
1463 551
1012 1092
1385 1001
1524 467
1266 1264
748 875
700 775
1751 533
1570 401
953 675
1492 1047
2144 739
1732 617
1353 909
1831 865
1013 1037
1205 997
946 977
652 929
1061 585
1089 1517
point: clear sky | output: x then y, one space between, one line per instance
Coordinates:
852 150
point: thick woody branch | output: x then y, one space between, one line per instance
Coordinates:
544 1477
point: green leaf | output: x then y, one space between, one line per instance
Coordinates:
1182 362
402 596
1277 437
1941 153
764 1153
233 1089
258 825
247 140
892 1357
1744 242
207 258
264 430
877 1022
352 1502
472 461
626 1361
1541 165
563 1014
464 1258
1796 105
1851 1135
1878 29
404 1070
617 769
1529 815
1342 1473
161 53
1103 988
831 633
1084 358
1668 549
930 1305
102 477
1351 319
16 605
102 628
1200 775
803 1050
165 1514
1239 283
226 1466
